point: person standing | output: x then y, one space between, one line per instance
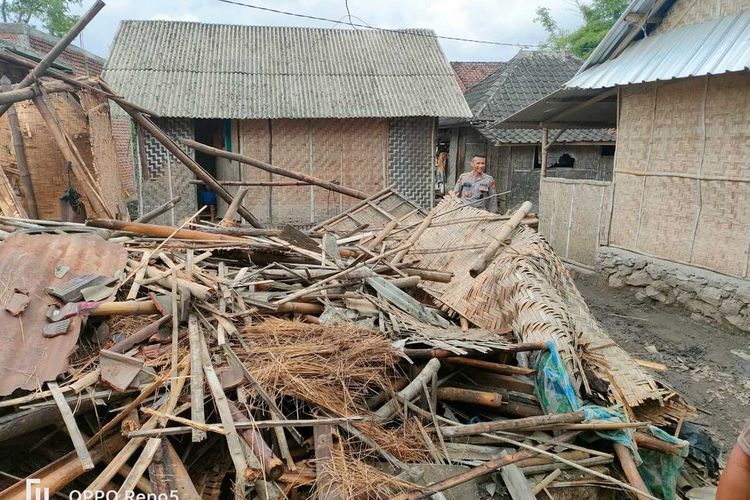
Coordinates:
734 483
476 188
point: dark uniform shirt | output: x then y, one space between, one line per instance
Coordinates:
477 191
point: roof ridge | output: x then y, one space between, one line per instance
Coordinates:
270 26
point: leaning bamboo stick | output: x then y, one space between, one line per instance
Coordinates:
507 425
631 470
409 392
228 219
499 239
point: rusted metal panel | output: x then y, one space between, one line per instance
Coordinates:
27 358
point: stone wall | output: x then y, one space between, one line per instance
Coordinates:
710 297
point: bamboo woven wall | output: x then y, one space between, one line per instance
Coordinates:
688 12
45 161
352 152
574 217
682 177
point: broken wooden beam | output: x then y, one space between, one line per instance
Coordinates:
159 231
481 398
272 466
203 148
515 424
410 391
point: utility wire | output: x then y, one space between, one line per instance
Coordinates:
413 33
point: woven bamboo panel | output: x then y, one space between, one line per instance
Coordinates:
687 12
634 130
721 240
292 143
372 215
668 213
677 142
626 213
254 143
583 232
728 127
527 289
104 153
660 215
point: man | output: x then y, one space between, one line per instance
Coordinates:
476 188
735 480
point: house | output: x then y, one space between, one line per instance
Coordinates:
469 73
514 156
29 145
672 76
358 107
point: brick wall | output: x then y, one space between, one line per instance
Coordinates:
165 177
410 157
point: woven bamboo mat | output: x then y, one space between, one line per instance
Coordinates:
528 289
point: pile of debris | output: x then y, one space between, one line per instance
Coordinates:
414 357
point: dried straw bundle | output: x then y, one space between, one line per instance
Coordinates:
334 367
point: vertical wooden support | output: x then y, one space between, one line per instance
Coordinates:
545 147
15 132
327 488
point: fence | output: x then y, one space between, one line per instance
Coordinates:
574 217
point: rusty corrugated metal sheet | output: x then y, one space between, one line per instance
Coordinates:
27 359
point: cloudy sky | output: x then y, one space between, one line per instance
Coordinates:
507 21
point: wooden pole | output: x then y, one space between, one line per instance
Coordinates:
191 164
58 49
499 239
274 169
10 96
15 132
228 219
545 146
157 231
272 465
514 424
481 398
489 366
630 469
257 183
409 392
153 214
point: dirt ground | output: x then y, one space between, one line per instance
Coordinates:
709 366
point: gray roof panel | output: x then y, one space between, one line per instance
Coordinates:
713 47
229 71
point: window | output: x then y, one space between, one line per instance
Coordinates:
608 150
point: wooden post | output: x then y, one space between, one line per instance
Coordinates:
58 49
228 219
505 231
545 146
15 132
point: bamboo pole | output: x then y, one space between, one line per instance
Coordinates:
488 366
630 469
153 214
409 392
499 239
258 183
481 398
58 49
508 425
228 219
158 231
274 169
15 132
272 465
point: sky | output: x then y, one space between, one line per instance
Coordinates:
506 21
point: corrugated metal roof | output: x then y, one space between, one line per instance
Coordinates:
228 71
713 47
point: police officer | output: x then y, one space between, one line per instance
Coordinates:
476 188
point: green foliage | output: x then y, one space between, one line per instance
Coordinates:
54 15
598 17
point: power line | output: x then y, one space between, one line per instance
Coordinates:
413 33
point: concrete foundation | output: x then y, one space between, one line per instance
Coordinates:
710 297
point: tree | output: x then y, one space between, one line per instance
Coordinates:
54 15
598 17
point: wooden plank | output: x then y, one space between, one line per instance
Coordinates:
327 488
225 414
140 467
139 274
70 424
196 379
515 481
